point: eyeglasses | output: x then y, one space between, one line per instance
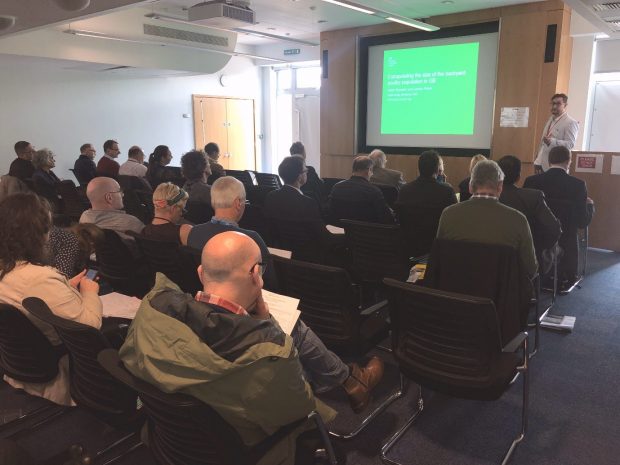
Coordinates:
261 268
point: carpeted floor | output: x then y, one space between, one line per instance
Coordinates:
573 414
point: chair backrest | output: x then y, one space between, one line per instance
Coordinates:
257 194
329 302
139 203
484 270
358 210
165 257
390 193
92 387
73 204
419 225
113 256
377 251
25 353
198 212
442 339
299 238
254 220
128 183
268 180
182 430
244 176
328 184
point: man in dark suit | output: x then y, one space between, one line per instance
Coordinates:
84 168
426 190
289 203
545 226
314 184
562 189
357 199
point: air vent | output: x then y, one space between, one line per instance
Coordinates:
606 6
187 36
240 14
220 14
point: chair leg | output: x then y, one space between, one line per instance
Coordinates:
394 439
537 323
524 409
329 449
396 395
119 442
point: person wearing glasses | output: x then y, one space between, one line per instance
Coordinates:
560 130
106 212
224 348
169 201
22 167
108 166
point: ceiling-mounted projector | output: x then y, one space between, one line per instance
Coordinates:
222 14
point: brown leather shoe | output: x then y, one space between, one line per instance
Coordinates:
361 381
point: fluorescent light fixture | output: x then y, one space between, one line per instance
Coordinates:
414 23
351 6
101 35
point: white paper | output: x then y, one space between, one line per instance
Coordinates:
120 305
615 164
514 117
283 308
589 163
334 229
280 252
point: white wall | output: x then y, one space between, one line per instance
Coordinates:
579 85
61 109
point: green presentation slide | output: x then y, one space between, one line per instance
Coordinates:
430 90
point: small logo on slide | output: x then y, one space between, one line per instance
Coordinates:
392 62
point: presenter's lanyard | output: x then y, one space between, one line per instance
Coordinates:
553 124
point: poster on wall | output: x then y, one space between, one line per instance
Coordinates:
615 164
589 163
514 117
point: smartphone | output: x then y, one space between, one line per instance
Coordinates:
91 274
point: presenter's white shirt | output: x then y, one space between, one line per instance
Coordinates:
562 131
132 168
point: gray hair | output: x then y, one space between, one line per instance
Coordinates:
225 190
41 158
378 158
486 173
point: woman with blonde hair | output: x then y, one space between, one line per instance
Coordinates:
169 201
464 184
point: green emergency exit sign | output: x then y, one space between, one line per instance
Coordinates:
292 51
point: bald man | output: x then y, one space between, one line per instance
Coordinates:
223 347
106 200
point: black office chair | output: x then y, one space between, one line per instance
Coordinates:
419 225
166 257
268 180
92 387
254 220
257 194
244 176
26 355
451 343
357 210
139 203
134 183
119 268
73 202
183 430
198 212
328 184
377 252
300 238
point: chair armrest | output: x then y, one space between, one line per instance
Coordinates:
516 342
374 308
420 259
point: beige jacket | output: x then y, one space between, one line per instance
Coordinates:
28 280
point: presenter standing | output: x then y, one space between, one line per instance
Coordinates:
560 129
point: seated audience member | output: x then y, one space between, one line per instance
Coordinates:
558 185
358 190
22 167
10 185
213 154
544 225
107 165
169 201
224 348
228 201
289 203
464 184
157 171
43 178
313 186
383 175
426 190
64 251
84 168
23 274
106 212
483 219
134 165
196 169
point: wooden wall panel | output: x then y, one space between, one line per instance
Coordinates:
522 80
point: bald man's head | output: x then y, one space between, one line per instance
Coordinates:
228 257
104 194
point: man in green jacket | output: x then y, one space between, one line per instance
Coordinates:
224 348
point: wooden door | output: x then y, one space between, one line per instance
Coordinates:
210 124
241 148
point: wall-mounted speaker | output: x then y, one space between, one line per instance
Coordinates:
552 31
324 65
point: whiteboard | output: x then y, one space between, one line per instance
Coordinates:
604 134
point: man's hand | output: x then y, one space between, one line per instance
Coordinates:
260 310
